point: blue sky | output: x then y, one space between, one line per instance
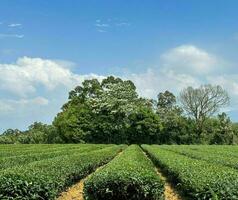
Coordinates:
48 47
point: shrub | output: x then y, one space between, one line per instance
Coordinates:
45 179
220 156
196 178
31 156
130 176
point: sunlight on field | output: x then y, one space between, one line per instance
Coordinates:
50 171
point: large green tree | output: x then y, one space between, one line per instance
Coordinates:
100 111
176 128
110 111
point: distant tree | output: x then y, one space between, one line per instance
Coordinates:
38 133
171 119
201 103
235 130
224 133
6 140
111 111
166 100
167 103
11 132
10 136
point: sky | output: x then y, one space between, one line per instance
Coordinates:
49 47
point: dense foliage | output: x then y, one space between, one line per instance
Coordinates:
46 178
44 171
9 158
111 111
107 112
197 178
128 176
37 133
226 156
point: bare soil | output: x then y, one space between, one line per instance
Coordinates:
169 192
75 192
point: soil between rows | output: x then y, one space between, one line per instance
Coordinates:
75 192
170 193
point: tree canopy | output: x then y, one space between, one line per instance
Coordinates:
201 103
111 111
103 112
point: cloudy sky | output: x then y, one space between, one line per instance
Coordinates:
49 47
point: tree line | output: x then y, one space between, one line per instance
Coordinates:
111 111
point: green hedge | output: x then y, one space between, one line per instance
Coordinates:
13 161
226 159
198 179
129 176
10 150
45 179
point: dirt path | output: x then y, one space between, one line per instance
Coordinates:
169 192
75 192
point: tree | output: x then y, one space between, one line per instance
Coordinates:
74 122
167 103
11 132
99 111
145 127
166 100
37 133
201 103
224 133
10 136
171 119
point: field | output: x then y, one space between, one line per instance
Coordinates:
118 172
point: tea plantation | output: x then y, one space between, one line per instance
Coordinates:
118 172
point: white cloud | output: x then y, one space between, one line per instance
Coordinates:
190 59
123 24
102 25
35 89
34 101
183 66
27 74
14 25
2 35
101 31
5 107
153 81
178 68
230 83
10 105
